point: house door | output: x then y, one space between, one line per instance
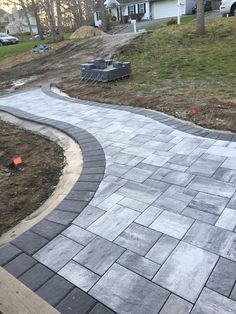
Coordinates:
162 9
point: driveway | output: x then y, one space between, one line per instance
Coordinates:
158 236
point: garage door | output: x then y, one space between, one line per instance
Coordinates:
166 8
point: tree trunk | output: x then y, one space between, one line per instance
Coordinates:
26 16
60 35
50 14
200 25
38 22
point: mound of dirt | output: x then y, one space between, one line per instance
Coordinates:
86 32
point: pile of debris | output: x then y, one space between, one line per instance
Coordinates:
105 70
86 32
41 48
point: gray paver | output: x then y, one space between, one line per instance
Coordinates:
138 239
111 224
178 178
177 273
79 275
200 215
109 202
99 255
204 167
58 252
186 146
149 215
176 305
223 277
233 293
227 219
133 204
8 252
230 163
88 216
126 292
137 175
211 302
213 239
232 203
138 264
78 234
75 300
226 175
209 203
212 186
162 249
172 224
20 264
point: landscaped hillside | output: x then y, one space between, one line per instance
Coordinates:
174 71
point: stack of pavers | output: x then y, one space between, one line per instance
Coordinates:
105 70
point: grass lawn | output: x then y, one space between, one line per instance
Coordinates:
25 44
173 60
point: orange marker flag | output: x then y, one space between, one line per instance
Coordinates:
17 161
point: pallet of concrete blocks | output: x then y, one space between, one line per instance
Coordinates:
105 70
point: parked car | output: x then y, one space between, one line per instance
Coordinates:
6 39
207 7
228 7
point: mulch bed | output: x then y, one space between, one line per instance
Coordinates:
24 188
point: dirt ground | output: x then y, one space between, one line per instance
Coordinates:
212 113
61 62
24 189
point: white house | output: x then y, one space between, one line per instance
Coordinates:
18 22
122 10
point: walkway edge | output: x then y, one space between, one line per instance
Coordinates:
175 123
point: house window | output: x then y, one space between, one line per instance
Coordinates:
131 9
142 8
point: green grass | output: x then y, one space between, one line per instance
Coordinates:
25 44
173 60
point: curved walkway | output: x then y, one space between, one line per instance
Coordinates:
159 234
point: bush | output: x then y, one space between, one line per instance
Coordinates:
171 22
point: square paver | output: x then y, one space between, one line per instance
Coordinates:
172 224
137 175
126 292
138 239
8 252
227 219
79 275
78 234
76 299
20 264
177 273
111 201
111 224
138 264
36 276
149 215
204 167
99 255
211 302
176 305
58 252
54 290
223 277
225 174
200 215
162 249
29 242
213 239
88 216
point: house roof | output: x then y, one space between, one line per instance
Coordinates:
123 2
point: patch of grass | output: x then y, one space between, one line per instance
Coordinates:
174 60
25 44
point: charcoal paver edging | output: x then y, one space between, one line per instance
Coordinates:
175 123
16 256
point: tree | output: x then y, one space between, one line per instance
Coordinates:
35 10
200 25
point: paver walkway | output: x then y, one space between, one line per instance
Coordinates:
159 236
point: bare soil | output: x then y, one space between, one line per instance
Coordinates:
26 188
213 113
61 62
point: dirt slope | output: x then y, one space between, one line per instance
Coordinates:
64 61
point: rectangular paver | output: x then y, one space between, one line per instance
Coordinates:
111 224
126 292
177 273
